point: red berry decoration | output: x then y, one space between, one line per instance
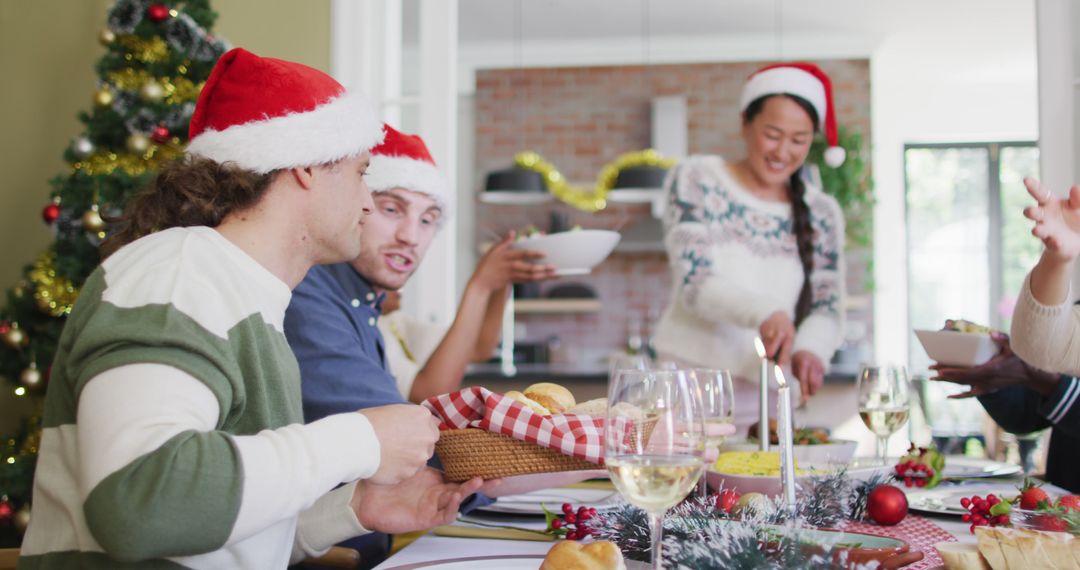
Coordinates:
160 135
50 213
570 525
157 13
991 511
887 505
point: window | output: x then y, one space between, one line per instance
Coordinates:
969 248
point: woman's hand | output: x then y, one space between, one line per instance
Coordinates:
1057 221
778 334
809 370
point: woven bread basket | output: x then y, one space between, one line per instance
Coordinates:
470 452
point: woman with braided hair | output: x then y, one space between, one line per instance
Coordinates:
755 249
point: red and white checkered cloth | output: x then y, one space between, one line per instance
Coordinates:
476 407
922 534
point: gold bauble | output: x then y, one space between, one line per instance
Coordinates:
92 221
103 97
16 338
31 377
151 91
22 519
106 37
138 143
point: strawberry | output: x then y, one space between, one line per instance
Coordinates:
1049 523
1031 495
1069 502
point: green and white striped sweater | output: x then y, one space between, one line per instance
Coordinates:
172 431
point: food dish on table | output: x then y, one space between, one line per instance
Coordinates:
572 252
1022 549
960 343
759 472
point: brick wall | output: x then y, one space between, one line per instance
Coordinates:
581 118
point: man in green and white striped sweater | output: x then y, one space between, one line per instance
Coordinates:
173 433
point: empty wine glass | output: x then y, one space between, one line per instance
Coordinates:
653 442
717 409
884 402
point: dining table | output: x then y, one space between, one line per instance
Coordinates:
482 540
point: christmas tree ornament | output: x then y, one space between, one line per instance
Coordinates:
22 519
4 327
50 213
106 37
138 143
887 505
7 511
158 13
160 134
15 337
82 147
92 221
151 92
31 377
103 97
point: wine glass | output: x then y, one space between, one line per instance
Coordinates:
653 441
884 402
717 408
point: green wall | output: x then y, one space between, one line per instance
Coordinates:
48 49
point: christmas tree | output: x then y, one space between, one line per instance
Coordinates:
157 56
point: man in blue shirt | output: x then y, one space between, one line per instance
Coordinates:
331 323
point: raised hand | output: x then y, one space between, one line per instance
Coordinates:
778 334
420 502
1057 221
502 265
1003 370
407 436
809 370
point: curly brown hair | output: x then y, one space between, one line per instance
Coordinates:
191 191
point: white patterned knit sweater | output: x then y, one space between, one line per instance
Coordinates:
734 262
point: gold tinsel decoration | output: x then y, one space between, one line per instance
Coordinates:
177 89
596 199
54 295
106 163
151 50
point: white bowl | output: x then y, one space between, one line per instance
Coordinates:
954 348
574 252
770 485
836 451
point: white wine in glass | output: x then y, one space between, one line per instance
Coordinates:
717 409
653 442
884 402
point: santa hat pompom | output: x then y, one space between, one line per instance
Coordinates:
403 161
804 80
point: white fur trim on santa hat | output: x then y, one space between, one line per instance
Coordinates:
389 172
785 80
342 128
835 155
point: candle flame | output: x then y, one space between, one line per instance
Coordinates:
780 376
760 346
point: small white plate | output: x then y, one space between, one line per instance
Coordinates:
961 467
529 503
945 500
515 198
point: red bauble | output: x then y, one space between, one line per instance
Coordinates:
887 505
50 213
157 12
4 327
160 135
7 511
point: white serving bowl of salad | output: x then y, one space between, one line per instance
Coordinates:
573 252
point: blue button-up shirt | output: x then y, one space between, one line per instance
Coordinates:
331 327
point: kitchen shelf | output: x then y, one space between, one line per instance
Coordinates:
549 306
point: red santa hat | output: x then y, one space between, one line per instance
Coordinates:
805 80
403 161
264 114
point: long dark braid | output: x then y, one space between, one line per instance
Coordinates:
800 212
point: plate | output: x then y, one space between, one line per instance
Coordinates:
633 195
945 500
502 562
515 197
573 252
529 503
961 467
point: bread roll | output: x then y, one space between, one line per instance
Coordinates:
1025 549
551 396
529 403
596 408
572 555
961 556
